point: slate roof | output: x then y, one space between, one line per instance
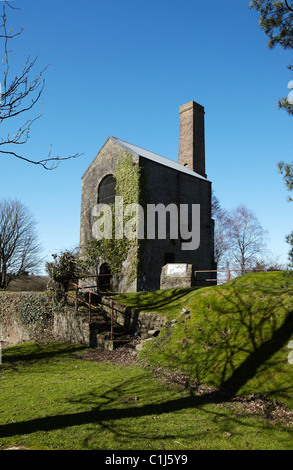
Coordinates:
140 152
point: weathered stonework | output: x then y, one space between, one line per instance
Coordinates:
165 182
75 328
104 164
176 275
70 327
12 329
192 137
167 186
132 320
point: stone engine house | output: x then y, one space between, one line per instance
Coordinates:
164 263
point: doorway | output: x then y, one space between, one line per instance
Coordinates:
105 278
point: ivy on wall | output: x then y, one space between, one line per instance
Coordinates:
26 316
113 251
34 309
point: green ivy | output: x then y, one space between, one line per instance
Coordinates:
33 309
115 251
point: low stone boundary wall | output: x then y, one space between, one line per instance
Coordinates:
65 325
70 327
13 329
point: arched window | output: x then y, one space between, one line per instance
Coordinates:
107 190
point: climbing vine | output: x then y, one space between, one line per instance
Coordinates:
34 309
115 251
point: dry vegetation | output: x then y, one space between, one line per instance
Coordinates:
29 284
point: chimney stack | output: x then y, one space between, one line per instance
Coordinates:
191 137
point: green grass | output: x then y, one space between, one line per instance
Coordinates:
167 302
51 399
235 335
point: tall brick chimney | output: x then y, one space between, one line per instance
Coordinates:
191 137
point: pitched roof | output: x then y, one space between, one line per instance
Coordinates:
140 152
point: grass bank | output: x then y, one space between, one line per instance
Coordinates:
233 336
53 398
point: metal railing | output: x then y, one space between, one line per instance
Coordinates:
90 304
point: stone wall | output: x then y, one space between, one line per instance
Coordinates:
63 325
132 320
104 164
70 327
166 186
77 329
174 275
13 329
66 325
161 185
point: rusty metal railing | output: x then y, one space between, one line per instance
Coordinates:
90 303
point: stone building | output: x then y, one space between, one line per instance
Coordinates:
164 262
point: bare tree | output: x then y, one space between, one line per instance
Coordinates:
221 239
19 246
246 238
19 95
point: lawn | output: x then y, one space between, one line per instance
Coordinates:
53 398
216 378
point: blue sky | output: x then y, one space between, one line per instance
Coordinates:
123 69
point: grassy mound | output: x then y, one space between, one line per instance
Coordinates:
233 336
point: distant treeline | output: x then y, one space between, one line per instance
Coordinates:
28 283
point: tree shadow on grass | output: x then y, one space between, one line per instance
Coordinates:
109 413
104 416
110 410
229 336
260 355
108 416
150 301
25 353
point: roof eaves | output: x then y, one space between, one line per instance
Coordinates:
150 156
156 158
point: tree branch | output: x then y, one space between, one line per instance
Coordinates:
49 163
288 6
20 96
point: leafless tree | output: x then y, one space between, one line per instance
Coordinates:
19 246
19 95
246 238
221 239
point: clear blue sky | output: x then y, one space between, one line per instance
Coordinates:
123 68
